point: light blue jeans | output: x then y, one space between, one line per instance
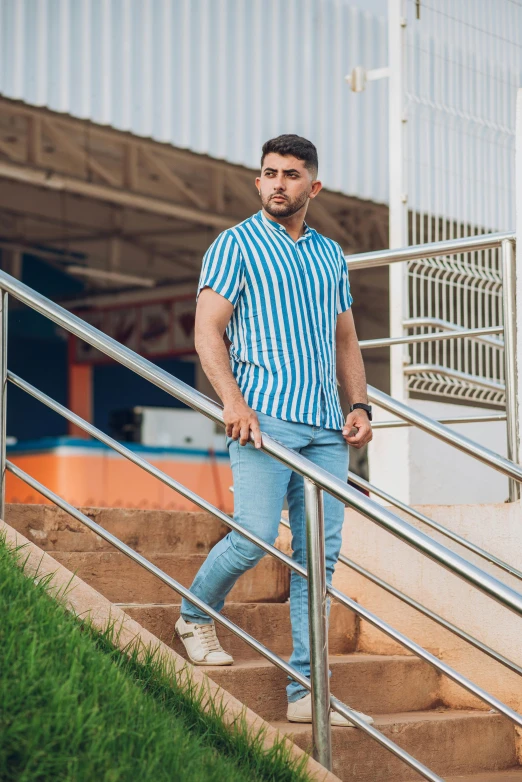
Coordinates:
260 486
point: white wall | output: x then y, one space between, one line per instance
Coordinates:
438 473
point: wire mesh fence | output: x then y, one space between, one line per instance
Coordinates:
463 64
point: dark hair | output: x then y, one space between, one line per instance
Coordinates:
297 146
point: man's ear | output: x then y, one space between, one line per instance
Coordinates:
258 183
317 186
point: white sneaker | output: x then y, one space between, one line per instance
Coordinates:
301 711
201 643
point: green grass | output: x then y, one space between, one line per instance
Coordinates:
73 707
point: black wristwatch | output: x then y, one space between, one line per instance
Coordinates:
361 406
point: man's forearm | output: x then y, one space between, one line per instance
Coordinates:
350 372
215 361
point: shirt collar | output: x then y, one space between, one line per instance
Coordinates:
273 226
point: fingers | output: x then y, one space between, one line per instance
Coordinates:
256 432
251 424
357 430
360 438
244 433
240 422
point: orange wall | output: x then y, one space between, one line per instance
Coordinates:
103 480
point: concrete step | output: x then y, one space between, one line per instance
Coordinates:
511 775
268 622
448 742
147 531
123 581
372 683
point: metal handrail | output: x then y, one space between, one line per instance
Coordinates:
464 419
447 325
448 533
337 488
276 553
444 433
308 470
429 250
205 505
223 517
478 334
168 480
335 703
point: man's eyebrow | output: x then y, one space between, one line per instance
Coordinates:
285 170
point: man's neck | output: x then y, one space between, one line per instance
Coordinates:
294 225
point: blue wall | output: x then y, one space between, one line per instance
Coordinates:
37 351
116 388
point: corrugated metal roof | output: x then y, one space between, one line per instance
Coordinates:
213 76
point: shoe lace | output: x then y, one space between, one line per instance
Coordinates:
208 638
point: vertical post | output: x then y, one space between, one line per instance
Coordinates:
3 396
518 294
389 454
510 362
398 194
318 625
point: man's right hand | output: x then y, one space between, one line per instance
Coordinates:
240 420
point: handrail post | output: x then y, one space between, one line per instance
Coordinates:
510 367
3 396
318 625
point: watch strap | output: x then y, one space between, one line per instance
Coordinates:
362 406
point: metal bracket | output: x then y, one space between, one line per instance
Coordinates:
359 76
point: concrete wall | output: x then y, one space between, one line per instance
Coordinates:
496 528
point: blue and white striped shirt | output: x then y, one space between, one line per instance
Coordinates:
286 297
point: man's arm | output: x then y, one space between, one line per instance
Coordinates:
352 377
213 313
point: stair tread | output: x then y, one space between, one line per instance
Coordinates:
509 775
398 718
335 659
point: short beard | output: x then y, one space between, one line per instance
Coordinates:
287 209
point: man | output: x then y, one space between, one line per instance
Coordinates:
281 292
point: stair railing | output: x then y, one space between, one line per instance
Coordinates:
316 480
506 243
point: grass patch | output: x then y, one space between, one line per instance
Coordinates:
73 707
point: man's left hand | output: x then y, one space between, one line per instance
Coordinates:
357 431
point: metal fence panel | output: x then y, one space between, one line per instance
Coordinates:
463 64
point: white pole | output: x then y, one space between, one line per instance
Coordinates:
389 453
518 171
398 189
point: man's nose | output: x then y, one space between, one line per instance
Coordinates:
279 184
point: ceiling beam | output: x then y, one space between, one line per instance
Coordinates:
77 153
161 169
100 192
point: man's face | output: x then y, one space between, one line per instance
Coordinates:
285 185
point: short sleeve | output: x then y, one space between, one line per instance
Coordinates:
222 268
344 298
